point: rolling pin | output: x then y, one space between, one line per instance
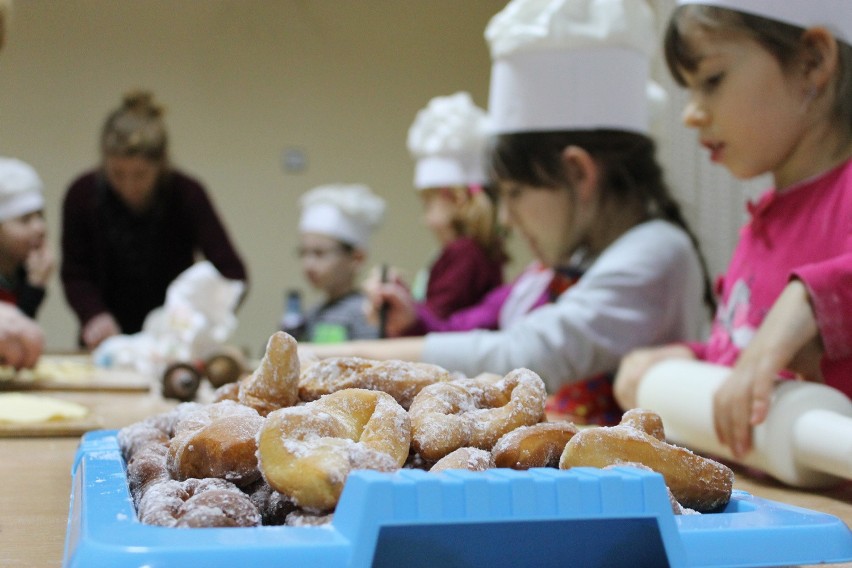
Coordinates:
805 441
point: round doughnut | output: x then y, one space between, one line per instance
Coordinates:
139 435
471 459
474 412
306 452
302 518
696 482
145 468
217 440
275 383
645 420
400 379
197 503
539 445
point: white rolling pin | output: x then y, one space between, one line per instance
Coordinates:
806 440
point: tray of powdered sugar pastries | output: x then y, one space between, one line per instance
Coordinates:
499 517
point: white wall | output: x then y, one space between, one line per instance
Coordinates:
244 80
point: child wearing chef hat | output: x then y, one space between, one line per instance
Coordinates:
26 259
335 227
448 141
770 88
579 182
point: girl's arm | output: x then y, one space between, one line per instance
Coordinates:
787 339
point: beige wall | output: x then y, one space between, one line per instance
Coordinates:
243 81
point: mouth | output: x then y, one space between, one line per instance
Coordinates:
716 149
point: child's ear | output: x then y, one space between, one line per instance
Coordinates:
820 57
582 172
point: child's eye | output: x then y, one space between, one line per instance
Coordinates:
712 82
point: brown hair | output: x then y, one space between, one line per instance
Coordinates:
782 40
476 217
631 174
136 128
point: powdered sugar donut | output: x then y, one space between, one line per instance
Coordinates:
400 379
275 382
696 482
474 412
471 459
306 452
217 440
197 503
539 445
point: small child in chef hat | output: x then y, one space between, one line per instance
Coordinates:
335 227
26 259
448 141
770 87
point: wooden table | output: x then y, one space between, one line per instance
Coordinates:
35 484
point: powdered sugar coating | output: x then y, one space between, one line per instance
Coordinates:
197 503
275 383
217 440
697 482
474 412
539 445
307 452
400 379
471 459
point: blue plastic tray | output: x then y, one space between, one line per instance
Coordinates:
502 517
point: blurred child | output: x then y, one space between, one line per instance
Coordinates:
448 141
771 92
334 232
579 182
26 259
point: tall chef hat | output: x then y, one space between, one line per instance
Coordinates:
20 189
834 15
349 213
448 140
571 65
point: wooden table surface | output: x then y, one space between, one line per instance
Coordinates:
35 483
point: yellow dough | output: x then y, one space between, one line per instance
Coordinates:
30 409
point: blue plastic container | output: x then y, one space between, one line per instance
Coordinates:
542 517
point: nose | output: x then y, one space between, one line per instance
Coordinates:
694 115
503 215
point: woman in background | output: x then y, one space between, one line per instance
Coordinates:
130 226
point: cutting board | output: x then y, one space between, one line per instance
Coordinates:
52 429
28 415
72 373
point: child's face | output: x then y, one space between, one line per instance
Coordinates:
22 235
133 178
543 217
747 110
327 265
439 211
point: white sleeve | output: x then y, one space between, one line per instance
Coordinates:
646 289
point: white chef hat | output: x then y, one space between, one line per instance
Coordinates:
834 15
347 212
448 140
571 65
20 189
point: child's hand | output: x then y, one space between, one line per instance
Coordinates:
39 265
21 339
634 366
787 339
99 328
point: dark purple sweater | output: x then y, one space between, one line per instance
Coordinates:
116 261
